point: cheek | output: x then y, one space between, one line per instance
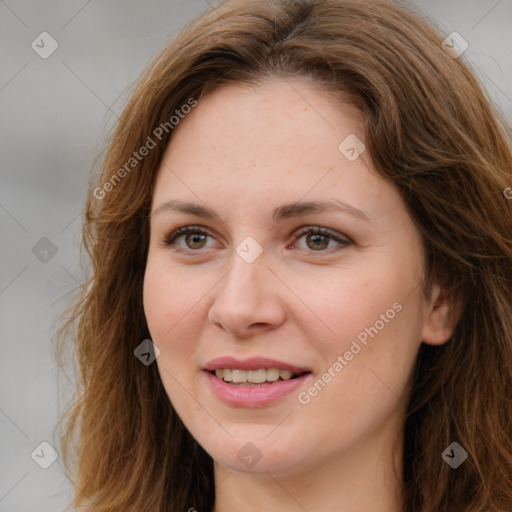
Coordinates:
170 306
170 298
370 318
347 304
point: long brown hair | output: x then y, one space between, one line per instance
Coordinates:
430 130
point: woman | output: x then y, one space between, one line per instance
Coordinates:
300 295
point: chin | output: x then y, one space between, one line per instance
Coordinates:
255 453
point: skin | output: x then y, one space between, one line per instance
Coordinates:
243 151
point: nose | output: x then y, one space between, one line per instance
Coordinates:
248 299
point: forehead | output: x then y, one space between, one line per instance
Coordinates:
277 141
290 113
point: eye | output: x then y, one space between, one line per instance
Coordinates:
318 239
194 238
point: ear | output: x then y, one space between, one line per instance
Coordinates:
444 312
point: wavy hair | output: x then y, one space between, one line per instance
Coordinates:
430 129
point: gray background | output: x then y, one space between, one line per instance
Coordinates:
56 114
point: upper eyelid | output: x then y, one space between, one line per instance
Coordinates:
323 230
298 233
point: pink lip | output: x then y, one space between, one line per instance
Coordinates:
253 363
252 396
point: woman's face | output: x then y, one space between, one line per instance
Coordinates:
257 293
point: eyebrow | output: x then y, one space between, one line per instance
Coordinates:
284 211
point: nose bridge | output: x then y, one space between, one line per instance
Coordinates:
246 277
245 296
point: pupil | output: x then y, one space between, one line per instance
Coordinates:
316 238
193 238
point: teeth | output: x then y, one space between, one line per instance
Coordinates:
285 374
253 376
273 374
257 376
239 375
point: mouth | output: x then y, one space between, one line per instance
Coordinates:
251 378
254 382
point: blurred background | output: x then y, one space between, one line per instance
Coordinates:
66 70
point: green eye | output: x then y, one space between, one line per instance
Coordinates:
194 237
318 239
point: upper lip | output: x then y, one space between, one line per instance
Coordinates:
252 363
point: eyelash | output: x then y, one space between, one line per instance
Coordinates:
170 239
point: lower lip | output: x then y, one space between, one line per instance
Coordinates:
253 396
